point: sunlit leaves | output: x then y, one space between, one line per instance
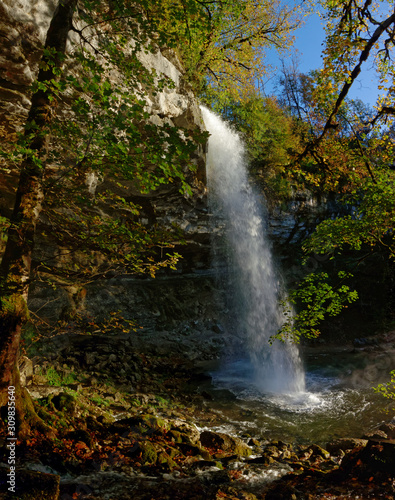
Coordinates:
270 137
316 298
92 243
223 43
101 128
371 222
388 389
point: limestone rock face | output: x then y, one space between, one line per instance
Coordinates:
23 29
23 26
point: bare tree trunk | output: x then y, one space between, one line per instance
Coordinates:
16 264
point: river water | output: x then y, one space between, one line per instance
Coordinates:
266 389
338 401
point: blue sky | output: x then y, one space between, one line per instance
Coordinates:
308 45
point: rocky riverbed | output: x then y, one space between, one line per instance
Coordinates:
137 423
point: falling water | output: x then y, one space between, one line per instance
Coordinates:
276 368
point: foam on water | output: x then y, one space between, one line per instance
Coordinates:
238 378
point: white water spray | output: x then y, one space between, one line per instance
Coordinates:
277 368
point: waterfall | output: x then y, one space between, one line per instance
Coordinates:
255 285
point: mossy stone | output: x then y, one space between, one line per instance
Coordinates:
32 485
64 402
149 455
176 436
189 433
165 461
153 422
173 452
241 449
272 451
321 452
194 451
224 444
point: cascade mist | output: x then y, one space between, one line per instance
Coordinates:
255 286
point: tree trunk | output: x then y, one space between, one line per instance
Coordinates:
16 264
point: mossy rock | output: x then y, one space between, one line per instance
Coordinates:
189 433
320 452
175 436
289 455
280 445
149 455
32 485
141 424
194 451
272 451
165 461
155 422
224 444
64 402
173 452
253 442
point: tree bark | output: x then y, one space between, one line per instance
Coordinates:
15 267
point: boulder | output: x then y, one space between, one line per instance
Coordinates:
149 454
320 452
26 370
187 432
344 444
388 429
373 459
223 445
31 485
379 457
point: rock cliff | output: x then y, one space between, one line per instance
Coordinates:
23 29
